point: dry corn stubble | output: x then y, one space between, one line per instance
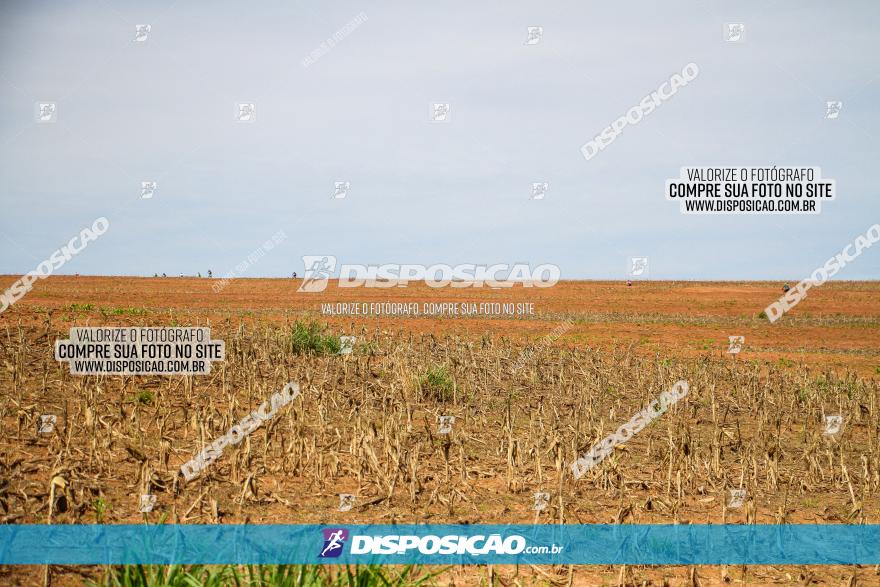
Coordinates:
363 426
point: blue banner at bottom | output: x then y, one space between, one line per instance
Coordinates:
436 544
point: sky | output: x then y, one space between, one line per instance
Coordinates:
165 109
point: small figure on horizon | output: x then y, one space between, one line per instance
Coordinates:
785 288
210 275
163 275
629 283
294 274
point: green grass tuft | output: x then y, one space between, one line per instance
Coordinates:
312 338
265 576
145 397
437 384
124 311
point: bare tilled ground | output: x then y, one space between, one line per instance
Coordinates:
525 406
836 325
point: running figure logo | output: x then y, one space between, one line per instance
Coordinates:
318 270
833 424
536 33
832 109
334 540
638 266
47 112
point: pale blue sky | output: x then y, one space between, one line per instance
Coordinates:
428 193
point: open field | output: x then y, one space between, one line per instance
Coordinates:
836 325
529 395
